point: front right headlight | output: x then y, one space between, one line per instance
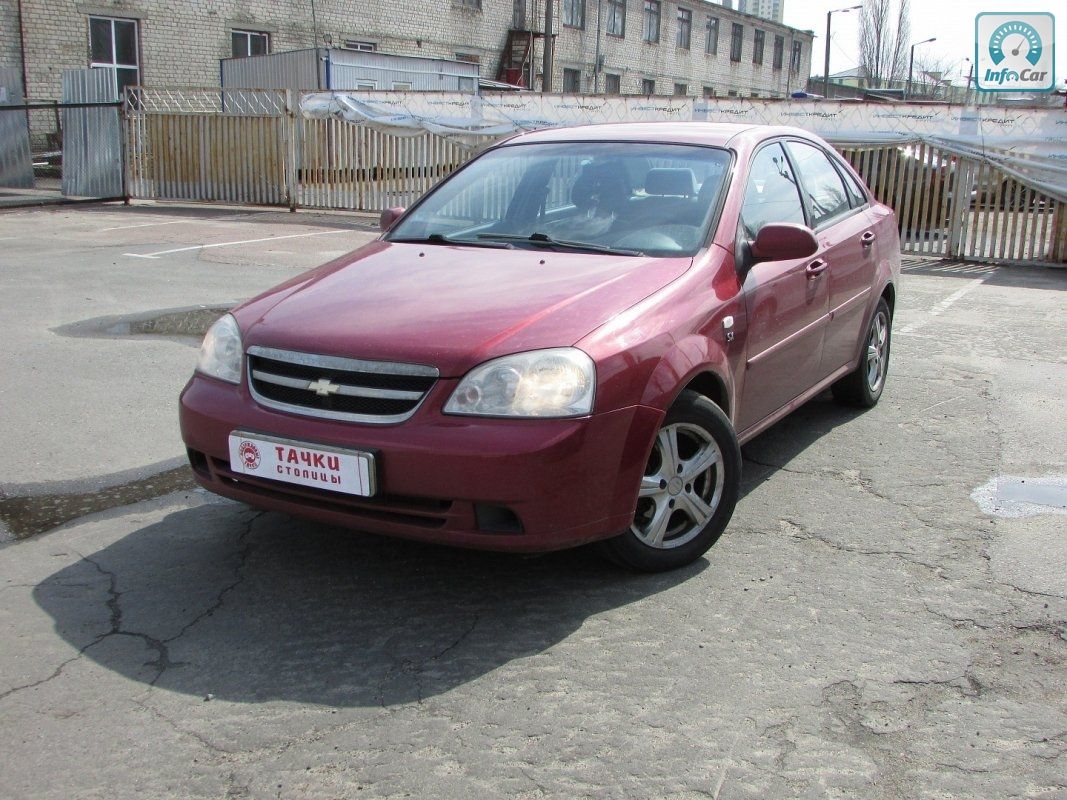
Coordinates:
221 353
541 383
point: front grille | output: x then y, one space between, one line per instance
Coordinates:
337 388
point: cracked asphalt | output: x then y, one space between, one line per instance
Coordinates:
863 629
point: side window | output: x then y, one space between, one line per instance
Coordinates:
856 196
771 194
824 192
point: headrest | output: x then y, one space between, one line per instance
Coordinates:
600 185
680 182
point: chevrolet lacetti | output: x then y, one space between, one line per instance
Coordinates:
564 342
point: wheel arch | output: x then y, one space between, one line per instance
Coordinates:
697 364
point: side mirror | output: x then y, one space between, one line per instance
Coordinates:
389 217
781 241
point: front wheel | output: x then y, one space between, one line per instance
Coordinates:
688 491
863 386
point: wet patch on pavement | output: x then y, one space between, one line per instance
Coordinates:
29 515
187 323
1013 497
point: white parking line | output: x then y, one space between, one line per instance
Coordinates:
159 253
944 305
148 225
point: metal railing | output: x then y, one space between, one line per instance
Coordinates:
251 146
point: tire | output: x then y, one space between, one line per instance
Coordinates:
686 499
863 386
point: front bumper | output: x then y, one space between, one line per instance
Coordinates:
446 479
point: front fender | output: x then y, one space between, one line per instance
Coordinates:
689 359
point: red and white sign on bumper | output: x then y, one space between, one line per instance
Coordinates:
347 471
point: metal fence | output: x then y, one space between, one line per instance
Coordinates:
249 146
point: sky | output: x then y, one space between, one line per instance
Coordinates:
951 21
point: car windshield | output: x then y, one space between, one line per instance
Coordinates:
630 198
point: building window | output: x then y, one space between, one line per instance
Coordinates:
731 93
469 58
572 81
612 84
757 46
360 44
113 43
711 38
753 94
401 86
779 49
681 89
797 57
709 92
685 28
617 18
249 43
474 5
652 12
574 13
648 86
737 37
366 86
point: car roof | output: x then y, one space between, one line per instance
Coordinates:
716 134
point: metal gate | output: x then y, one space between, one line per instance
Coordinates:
962 208
16 166
92 136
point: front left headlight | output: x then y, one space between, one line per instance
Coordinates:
221 353
541 383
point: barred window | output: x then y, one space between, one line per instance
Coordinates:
574 13
685 28
652 15
648 86
779 49
737 37
797 57
617 18
612 84
757 46
711 39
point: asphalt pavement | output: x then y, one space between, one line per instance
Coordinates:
886 616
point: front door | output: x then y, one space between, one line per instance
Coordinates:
787 301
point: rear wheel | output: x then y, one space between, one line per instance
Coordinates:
688 490
863 386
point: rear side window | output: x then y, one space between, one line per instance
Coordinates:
856 196
824 191
771 194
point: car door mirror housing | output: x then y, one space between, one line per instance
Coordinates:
389 217
781 241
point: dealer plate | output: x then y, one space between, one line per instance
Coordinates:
332 468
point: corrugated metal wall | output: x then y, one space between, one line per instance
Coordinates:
92 137
349 69
299 70
16 165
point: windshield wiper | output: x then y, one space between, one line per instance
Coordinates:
440 238
544 240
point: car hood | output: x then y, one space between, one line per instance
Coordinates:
451 307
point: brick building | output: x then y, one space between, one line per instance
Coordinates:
661 47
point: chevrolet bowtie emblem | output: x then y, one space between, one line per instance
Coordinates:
323 387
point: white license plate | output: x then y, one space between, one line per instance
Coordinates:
347 471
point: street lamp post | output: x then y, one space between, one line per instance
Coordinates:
911 64
826 63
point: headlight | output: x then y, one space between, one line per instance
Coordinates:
541 383
221 352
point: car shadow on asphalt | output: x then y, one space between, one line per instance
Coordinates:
220 600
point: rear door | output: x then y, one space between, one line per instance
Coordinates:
837 210
787 301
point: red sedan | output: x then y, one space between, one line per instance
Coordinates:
563 342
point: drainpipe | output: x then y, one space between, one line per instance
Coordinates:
596 62
22 55
550 44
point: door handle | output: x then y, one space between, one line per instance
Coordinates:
816 267
868 239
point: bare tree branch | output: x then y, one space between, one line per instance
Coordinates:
884 37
